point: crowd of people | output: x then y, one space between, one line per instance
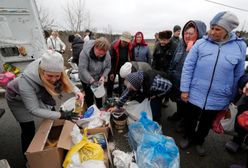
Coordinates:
202 72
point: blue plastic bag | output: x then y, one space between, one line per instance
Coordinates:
139 128
157 151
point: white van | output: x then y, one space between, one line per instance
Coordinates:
21 35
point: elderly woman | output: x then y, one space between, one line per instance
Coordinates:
31 94
141 50
210 75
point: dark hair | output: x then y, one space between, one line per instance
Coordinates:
46 34
165 34
71 38
176 28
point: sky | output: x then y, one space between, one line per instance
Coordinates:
147 16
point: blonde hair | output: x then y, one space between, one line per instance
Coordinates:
102 43
55 33
66 85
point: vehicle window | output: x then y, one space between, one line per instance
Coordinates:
9 51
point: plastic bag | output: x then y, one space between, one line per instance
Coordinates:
139 128
134 108
216 126
94 119
157 151
122 159
228 123
243 120
85 150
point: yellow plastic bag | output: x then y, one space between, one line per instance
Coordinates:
87 151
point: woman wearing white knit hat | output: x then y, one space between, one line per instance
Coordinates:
31 93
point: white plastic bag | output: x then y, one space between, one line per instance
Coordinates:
134 108
228 123
97 119
123 160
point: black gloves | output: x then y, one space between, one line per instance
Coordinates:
69 115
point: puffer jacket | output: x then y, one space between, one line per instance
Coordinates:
211 72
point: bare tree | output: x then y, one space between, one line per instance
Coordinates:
77 17
109 32
46 19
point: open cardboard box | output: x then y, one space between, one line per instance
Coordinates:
51 143
107 155
104 129
39 154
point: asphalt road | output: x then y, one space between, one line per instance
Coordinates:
217 156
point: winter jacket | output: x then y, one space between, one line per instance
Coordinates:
25 96
90 67
211 72
77 46
142 53
179 58
162 56
115 56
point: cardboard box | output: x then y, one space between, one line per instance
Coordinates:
57 134
39 154
107 155
104 130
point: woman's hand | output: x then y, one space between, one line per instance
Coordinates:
80 96
185 96
101 80
112 109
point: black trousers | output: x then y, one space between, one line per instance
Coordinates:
194 131
27 134
89 96
110 86
181 108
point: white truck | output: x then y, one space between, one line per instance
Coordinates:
21 34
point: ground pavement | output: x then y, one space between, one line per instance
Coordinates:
217 156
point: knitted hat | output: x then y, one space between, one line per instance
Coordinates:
135 79
176 28
225 19
126 69
52 61
126 36
165 34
